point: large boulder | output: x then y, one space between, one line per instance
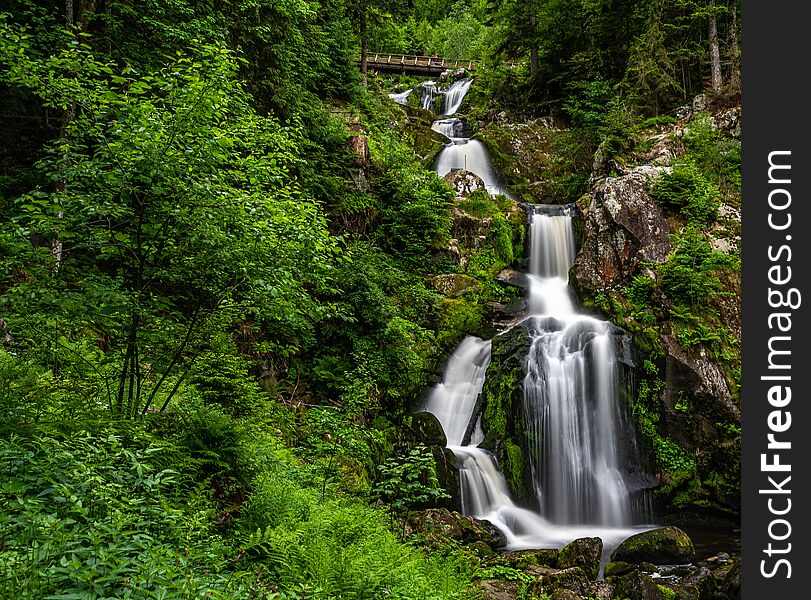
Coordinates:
636 586
666 545
624 227
573 579
584 553
464 182
440 525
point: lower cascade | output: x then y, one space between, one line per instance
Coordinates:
583 459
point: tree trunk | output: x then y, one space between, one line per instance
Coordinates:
734 51
533 50
364 47
715 53
67 118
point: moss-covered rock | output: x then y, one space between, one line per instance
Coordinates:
636 586
666 545
617 568
527 158
502 410
584 553
439 526
521 559
573 579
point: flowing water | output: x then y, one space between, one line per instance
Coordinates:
455 95
401 98
582 454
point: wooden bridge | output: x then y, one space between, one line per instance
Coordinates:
415 65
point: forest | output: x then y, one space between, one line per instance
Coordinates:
231 275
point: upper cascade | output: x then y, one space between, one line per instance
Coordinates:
429 92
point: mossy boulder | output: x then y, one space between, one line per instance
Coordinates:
440 525
503 413
584 553
618 568
521 559
424 428
636 586
666 545
498 589
564 594
573 579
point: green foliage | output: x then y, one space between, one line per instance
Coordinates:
408 481
669 455
504 572
689 276
716 156
686 191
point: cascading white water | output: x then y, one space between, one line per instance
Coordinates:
455 95
402 97
429 95
573 414
453 129
470 155
571 393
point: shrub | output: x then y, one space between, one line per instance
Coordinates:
686 191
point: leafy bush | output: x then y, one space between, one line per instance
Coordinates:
689 275
686 191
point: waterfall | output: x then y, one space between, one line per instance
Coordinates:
429 92
579 439
572 401
470 155
401 98
429 95
453 129
581 455
455 95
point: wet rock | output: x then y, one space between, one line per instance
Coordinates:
584 553
702 582
503 412
499 589
519 559
637 586
440 525
573 579
666 545
731 583
624 227
615 569
513 278
464 182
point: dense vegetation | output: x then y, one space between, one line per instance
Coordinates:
219 267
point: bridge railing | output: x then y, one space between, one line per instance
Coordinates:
413 60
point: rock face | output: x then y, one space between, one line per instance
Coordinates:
623 228
584 553
502 409
464 182
636 586
441 525
667 545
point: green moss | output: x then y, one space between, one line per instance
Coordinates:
513 464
